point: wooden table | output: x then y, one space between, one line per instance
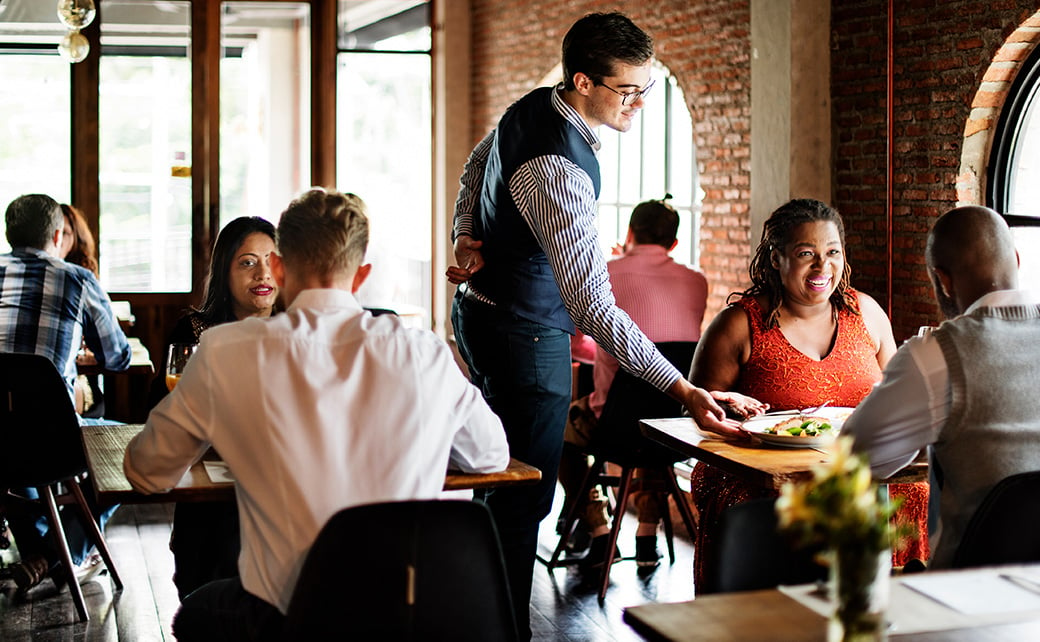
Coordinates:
105 445
126 391
756 463
772 615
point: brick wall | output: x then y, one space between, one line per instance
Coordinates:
943 52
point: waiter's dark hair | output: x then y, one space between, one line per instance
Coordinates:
599 40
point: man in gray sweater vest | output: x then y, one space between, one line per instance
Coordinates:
968 387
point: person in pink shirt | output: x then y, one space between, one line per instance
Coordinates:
666 300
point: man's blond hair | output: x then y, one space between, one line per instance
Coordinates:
323 232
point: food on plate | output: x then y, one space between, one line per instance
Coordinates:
802 426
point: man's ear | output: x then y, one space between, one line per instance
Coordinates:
277 269
359 277
945 281
672 246
583 84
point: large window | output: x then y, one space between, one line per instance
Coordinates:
264 107
1014 172
384 145
34 106
144 139
654 158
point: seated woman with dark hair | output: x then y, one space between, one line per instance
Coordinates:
800 336
205 540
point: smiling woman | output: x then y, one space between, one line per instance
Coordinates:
799 336
205 541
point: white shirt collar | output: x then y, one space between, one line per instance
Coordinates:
1004 298
572 116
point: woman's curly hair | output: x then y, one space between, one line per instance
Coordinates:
776 235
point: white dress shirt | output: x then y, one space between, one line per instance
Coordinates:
314 410
905 412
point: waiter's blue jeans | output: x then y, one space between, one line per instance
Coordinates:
523 369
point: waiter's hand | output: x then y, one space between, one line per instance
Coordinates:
705 411
468 258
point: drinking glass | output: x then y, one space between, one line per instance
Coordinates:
176 360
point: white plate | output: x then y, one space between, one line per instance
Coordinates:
836 415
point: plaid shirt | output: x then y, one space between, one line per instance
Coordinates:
49 307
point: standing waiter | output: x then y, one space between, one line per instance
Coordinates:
530 269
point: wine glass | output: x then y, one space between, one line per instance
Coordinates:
176 360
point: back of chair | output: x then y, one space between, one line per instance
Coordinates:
751 554
412 570
38 425
631 399
1005 528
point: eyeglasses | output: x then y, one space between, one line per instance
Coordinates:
632 96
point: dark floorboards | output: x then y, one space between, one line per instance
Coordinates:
563 607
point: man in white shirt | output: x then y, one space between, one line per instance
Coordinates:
968 387
314 410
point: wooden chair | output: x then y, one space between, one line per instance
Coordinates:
42 449
411 570
751 555
619 440
1005 528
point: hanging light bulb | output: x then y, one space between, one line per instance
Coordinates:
74 47
76 14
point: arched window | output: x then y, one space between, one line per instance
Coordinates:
654 158
1013 181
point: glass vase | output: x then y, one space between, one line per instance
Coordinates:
859 592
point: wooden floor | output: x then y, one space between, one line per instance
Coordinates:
563 608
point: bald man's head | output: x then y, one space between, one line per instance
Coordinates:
970 253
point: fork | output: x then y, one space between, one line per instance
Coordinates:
803 411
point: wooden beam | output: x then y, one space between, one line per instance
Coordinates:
324 30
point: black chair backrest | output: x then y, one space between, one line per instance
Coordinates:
411 570
750 554
1005 528
631 399
39 430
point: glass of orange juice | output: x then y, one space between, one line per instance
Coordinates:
176 360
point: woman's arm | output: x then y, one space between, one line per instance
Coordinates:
723 350
879 327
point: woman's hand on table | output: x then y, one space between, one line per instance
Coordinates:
741 405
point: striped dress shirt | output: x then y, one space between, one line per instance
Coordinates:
49 307
557 200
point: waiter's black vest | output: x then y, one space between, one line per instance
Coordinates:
516 273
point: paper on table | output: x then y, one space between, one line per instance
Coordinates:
218 471
974 593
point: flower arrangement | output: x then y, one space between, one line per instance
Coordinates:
839 509
840 506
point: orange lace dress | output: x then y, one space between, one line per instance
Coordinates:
780 375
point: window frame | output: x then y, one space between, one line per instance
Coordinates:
1024 89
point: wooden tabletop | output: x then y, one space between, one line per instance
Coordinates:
756 463
105 445
773 616
755 616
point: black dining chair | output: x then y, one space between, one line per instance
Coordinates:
1005 528
618 440
43 449
750 554
410 570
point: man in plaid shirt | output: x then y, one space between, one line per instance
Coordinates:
50 307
